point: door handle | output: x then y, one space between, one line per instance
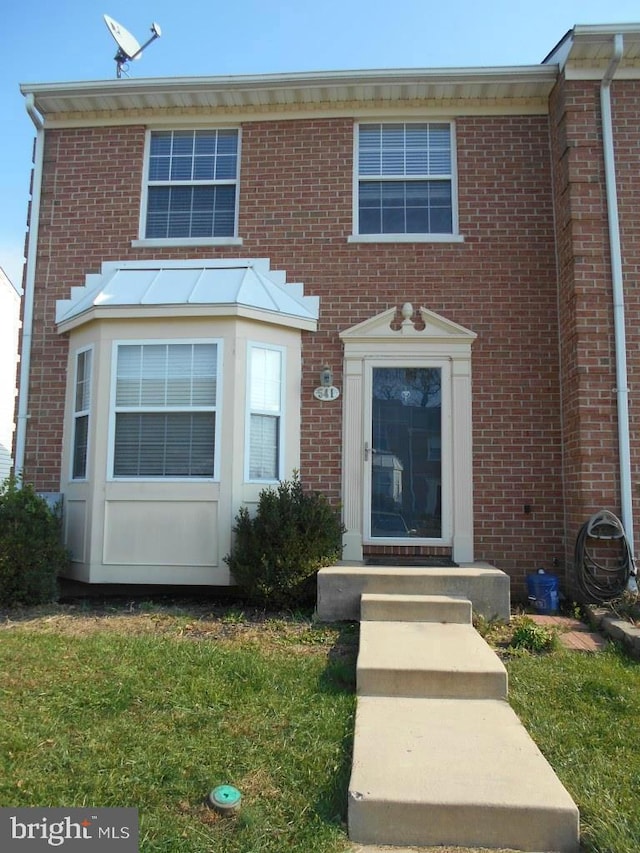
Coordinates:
366 451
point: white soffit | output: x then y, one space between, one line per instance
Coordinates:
586 50
233 287
60 102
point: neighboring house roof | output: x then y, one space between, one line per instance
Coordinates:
144 288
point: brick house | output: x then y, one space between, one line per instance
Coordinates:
401 283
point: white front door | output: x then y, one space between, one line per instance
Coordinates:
407 454
406 449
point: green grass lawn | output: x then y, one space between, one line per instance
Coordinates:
152 707
583 711
156 717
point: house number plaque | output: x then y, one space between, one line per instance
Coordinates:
326 393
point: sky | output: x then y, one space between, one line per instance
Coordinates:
54 41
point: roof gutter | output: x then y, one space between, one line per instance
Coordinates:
29 290
622 389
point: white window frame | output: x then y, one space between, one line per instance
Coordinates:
81 413
249 411
453 237
228 240
217 409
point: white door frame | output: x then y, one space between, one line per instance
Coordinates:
425 339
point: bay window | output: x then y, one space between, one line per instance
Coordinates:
165 410
81 407
265 413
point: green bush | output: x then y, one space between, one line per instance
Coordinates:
277 553
532 637
31 553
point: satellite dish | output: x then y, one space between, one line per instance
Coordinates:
128 46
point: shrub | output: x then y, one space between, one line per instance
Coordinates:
31 554
278 552
528 635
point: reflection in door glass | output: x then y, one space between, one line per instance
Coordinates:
406 435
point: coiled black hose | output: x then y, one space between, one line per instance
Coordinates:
606 578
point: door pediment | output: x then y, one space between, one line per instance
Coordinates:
393 326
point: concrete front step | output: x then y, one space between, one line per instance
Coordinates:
341 586
430 772
425 659
382 607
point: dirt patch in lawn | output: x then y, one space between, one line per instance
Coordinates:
186 619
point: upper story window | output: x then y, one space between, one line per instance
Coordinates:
405 179
165 410
81 408
191 189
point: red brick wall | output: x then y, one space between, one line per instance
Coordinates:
626 116
591 462
295 208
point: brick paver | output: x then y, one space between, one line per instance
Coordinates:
573 634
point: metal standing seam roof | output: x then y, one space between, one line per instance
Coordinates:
247 284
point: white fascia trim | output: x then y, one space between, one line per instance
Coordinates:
299 79
595 72
136 312
606 29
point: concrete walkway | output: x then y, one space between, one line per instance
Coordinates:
440 758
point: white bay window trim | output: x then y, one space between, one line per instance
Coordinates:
265 413
82 393
162 394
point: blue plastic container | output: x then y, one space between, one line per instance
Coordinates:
543 592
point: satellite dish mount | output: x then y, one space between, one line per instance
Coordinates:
128 47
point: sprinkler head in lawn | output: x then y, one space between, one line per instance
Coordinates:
225 799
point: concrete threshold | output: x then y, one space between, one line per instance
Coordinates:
431 772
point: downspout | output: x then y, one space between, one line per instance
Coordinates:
622 389
29 290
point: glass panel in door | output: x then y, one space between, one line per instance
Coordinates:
406 440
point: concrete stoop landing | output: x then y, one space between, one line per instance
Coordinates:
340 587
440 758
